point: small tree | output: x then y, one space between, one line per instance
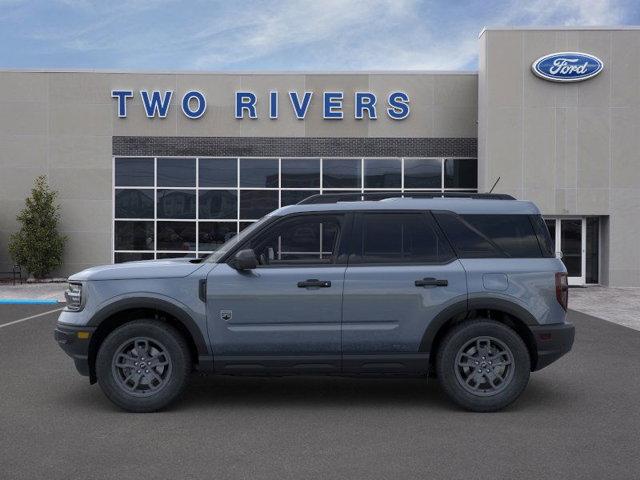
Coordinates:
38 246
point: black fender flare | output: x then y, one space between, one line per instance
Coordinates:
507 306
438 322
154 303
465 306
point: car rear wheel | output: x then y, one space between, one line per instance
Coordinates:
143 365
483 365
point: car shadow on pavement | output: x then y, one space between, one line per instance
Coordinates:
342 392
211 392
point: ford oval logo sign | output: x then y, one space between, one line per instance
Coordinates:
567 66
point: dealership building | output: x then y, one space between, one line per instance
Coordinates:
158 165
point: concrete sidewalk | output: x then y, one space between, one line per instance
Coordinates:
33 291
614 304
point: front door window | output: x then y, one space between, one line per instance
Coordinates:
308 240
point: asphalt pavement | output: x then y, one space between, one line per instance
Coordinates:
578 419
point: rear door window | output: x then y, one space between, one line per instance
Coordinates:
466 240
392 237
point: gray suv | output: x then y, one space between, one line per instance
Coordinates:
466 289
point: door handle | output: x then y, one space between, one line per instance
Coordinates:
312 282
431 282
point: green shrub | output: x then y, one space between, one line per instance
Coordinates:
37 246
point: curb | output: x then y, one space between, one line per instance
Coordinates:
28 301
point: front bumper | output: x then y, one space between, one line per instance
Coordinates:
552 342
75 340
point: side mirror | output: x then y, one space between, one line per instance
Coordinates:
244 260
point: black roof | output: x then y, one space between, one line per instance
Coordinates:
372 196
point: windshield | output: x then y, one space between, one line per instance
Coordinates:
233 241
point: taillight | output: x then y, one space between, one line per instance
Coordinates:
562 289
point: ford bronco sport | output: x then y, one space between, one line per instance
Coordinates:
468 289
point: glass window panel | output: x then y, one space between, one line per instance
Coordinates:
176 172
422 173
422 194
134 203
345 195
133 235
513 234
255 204
382 173
543 234
467 242
244 225
176 203
291 197
218 172
311 239
213 234
551 226
259 172
134 172
380 194
175 255
120 257
218 204
401 237
460 173
571 242
341 173
176 235
300 172
593 234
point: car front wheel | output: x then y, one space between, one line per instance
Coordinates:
143 365
483 365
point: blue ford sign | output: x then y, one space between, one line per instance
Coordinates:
567 66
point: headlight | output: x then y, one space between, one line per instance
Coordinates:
73 296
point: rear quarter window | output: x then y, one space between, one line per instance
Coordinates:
492 236
513 234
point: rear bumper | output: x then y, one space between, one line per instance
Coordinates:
552 342
77 347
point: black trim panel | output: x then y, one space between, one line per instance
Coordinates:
552 342
276 364
473 304
505 306
76 348
154 304
386 363
414 364
438 321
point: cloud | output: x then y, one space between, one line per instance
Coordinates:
280 34
568 12
384 35
329 26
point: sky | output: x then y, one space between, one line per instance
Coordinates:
277 35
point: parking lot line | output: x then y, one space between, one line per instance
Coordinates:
30 317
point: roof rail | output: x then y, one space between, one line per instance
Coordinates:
369 196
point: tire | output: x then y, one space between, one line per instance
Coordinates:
503 362
143 366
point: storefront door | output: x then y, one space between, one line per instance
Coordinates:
569 235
